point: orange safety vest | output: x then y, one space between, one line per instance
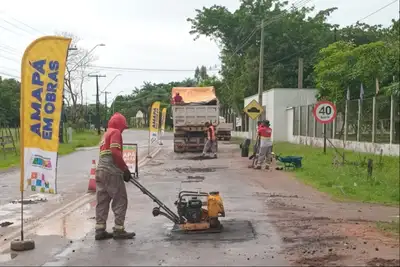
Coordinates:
265 132
211 133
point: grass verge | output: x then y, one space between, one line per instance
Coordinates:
390 227
81 139
347 182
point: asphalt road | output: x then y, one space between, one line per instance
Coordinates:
248 238
73 174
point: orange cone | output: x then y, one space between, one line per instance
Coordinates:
92 179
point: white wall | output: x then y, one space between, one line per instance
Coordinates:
240 134
373 148
289 129
276 100
284 98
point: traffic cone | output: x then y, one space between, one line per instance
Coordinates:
92 179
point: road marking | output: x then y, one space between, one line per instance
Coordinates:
60 212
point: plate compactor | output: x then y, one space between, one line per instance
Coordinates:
194 215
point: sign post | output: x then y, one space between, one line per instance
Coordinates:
130 155
253 110
325 112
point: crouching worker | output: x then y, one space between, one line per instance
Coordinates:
211 142
265 148
111 172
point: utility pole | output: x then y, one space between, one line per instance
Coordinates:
300 74
261 67
105 105
97 76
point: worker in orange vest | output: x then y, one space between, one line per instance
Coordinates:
111 172
265 147
211 140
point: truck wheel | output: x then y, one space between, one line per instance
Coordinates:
177 150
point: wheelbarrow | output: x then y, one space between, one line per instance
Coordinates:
290 162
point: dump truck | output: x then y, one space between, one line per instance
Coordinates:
199 105
224 129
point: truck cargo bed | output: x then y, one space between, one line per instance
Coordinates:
195 115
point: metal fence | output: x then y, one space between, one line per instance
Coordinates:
374 120
240 122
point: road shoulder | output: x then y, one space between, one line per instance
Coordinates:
318 231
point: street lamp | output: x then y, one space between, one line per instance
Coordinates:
85 56
110 83
115 98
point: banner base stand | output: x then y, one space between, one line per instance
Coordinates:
22 245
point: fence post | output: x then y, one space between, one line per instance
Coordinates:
246 123
334 124
299 130
307 119
359 119
234 121
315 124
346 108
391 119
373 119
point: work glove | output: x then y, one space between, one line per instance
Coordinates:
127 176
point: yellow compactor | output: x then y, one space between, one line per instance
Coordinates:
197 212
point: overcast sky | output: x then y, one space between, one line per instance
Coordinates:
149 34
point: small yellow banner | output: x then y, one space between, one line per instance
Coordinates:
154 122
163 118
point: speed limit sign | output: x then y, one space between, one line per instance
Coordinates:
324 112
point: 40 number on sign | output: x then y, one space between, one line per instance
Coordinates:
324 112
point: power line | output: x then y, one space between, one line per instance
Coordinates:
8 58
16 26
296 5
9 75
145 69
301 50
378 10
26 25
274 19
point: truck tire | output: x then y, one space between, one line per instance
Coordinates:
177 150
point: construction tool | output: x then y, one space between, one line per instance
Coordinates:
254 156
194 215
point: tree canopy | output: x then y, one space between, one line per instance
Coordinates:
335 58
291 33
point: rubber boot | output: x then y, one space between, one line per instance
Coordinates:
102 234
122 234
215 156
258 167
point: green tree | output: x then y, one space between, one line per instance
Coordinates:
9 102
289 34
